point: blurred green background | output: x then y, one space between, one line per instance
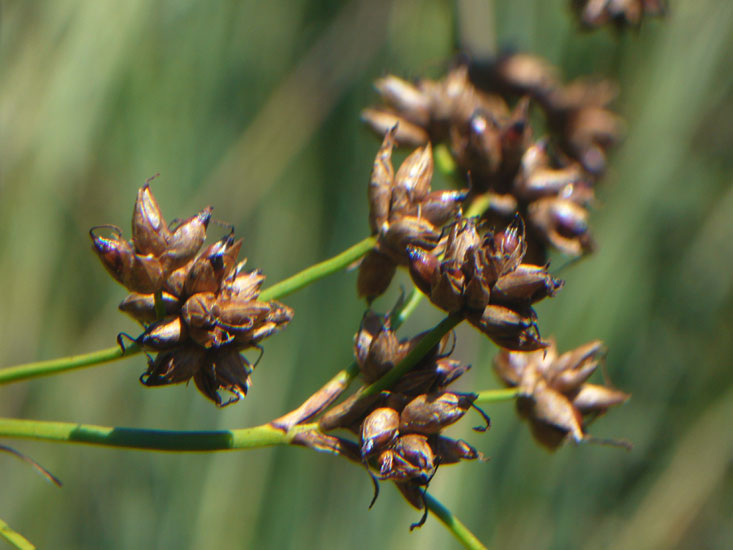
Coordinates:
253 107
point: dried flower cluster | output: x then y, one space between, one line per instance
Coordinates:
554 395
483 277
622 13
402 211
548 181
400 430
199 309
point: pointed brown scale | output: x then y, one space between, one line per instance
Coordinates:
232 372
150 232
547 181
173 367
141 307
371 324
167 333
553 408
378 431
506 248
429 413
375 273
515 135
439 207
278 316
508 328
142 274
380 183
414 448
510 366
526 284
405 98
383 354
175 280
212 266
424 268
382 120
592 398
462 237
408 230
447 292
414 176
246 285
186 240
451 451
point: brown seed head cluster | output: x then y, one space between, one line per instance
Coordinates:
483 277
621 13
548 181
554 394
403 211
199 308
400 430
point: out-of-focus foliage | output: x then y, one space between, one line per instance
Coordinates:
252 107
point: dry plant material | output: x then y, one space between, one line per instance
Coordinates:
620 13
199 307
549 181
555 396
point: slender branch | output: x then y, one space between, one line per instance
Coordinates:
453 524
15 539
492 396
318 271
63 364
406 308
151 440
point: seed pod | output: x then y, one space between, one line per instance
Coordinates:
164 334
451 451
405 98
514 330
439 207
381 121
547 408
142 274
408 230
186 240
245 286
506 249
375 273
527 284
592 398
447 292
424 268
150 233
414 448
412 180
174 283
175 366
430 413
141 307
563 224
215 264
378 431
376 347
380 183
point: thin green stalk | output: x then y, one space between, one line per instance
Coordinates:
319 270
453 524
15 539
151 440
492 396
403 312
63 364
283 288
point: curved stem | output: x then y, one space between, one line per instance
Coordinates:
283 288
15 539
453 524
151 440
318 271
492 396
63 364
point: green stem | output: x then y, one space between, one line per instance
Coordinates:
55 366
492 396
151 440
453 524
318 271
401 313
14 538
283 288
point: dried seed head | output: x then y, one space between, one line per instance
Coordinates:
430 413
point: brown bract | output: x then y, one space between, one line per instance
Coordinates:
554 394
403 211
483 278
199 307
